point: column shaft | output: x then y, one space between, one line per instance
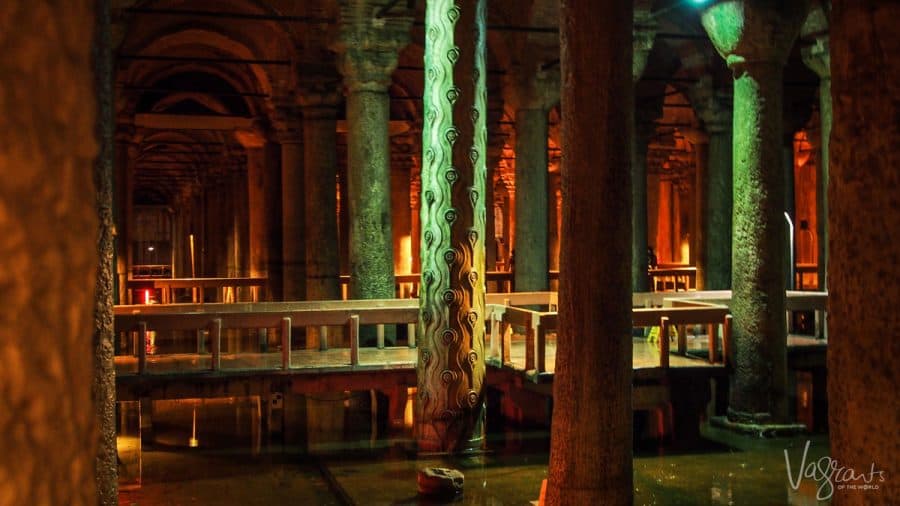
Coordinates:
368 174
292 204
640 282
594 357
450 404
531 201
320 164
825 120
256 197
719 198
758 386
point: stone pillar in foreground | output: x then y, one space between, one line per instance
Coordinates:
451 368
48 247
533 94
320 179
864 253
756 51
293 196
817 56
368 50
590 441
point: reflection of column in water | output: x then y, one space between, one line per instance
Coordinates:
193 442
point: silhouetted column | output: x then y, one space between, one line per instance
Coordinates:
293 248
754 37
714 109
864 252
451 326
817 56
591 434
320 166
643 33
533 93
368 50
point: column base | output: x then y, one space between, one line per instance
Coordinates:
758 429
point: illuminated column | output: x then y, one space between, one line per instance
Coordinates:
320 179
293 248
755 37
254 145
495 152
450 404
864 253
643 33
713 107
817 56
273 219
415 223
594 356
368 50
554 220
532 95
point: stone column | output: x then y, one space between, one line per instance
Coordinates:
756 49
817 57
254 146
368 50
48 245
787 154
273 219
126 153
293 196
495 152
553 199
642 132
643 33
533 93
700 142
714 109
863 250
451 368
415 223
593 358
320 179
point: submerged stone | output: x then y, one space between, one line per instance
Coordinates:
439 482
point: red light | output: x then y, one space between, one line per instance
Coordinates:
146 296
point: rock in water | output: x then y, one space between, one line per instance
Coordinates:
440 482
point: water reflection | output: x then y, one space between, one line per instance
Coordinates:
340 447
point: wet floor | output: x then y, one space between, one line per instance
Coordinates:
231 464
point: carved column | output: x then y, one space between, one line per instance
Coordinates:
293 248
817 56
591 441
755 37
320 178
368 49
864 252
643 33
533 93
450 404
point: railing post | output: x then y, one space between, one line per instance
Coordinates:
540 346
495 335
530 340
353 332
286 343
711 342
379 332
664 342
411 334
681 331
506 342
142 347
726 340
215 340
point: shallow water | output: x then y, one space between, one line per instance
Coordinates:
232 464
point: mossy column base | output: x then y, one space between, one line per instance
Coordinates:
754 37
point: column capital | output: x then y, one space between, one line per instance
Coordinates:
643 33
748 33
712 105
368 46
318 101
816 53
286 125
531 88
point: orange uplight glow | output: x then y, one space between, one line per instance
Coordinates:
146 296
